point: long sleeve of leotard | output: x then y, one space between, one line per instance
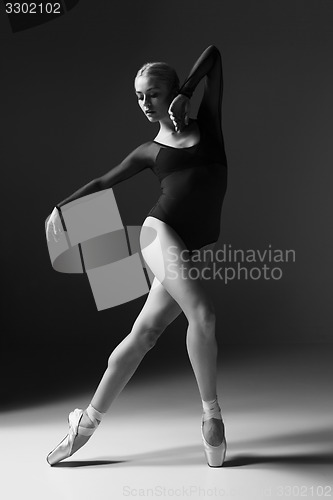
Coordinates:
136 161
208 65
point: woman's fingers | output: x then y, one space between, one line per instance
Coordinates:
56 239
49 230
48 237
179 115
175 124
177 121
180 122
53 226
56 230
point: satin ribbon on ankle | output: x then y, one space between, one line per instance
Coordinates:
94 415
211 409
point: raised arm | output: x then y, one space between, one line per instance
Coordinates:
208 66
136 161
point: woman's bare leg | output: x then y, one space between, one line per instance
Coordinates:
163 251
159 310
168 296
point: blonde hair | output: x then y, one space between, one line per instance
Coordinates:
161 71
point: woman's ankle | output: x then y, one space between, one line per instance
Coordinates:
92 416
211 409
86 421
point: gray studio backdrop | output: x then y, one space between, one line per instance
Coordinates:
70 114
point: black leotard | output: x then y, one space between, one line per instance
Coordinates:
193 179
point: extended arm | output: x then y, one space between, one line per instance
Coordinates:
131 165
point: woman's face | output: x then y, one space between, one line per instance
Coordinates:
153 97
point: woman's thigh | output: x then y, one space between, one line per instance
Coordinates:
166 255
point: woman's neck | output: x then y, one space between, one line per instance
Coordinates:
167 127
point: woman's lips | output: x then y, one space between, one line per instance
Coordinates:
150 112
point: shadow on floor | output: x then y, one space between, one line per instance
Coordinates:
87 463
194 455
296 459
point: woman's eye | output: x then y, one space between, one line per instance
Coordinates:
151 96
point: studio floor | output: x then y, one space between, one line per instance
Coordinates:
277 407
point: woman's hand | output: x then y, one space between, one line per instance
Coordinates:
179 111
53 226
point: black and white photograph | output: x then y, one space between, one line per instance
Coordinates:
167 169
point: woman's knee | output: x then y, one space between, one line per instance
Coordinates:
204 315
146 335
137 343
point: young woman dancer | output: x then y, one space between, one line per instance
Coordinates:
188 157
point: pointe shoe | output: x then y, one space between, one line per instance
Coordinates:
64 448
215 455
